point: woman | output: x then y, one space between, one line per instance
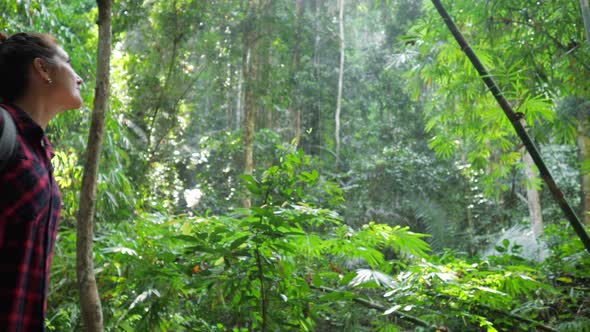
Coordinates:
36 83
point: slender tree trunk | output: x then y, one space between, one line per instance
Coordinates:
249 119
315 113
153 139
468 199
267 81
250 70
239 99
532 193
584 155
385 17
340 76
229 98
263 53
471 249
586 17
294 106
89 300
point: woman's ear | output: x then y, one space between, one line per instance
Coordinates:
40 68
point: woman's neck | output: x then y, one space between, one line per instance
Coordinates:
36 109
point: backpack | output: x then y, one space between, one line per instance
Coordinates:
7 138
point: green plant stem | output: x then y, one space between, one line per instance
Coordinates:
515 120
261 273
262 290
378 306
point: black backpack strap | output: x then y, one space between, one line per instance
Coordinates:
7 138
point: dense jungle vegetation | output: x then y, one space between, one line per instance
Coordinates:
324 165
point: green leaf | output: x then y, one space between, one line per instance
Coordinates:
337 296
239 241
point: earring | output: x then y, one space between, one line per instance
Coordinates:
49 81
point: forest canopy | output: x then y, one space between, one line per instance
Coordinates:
323 165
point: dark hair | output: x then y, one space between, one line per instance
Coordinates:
17 52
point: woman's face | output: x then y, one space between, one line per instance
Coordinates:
65 88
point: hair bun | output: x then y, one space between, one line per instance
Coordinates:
3 37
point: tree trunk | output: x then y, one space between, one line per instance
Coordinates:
584 156
340 77
262 54
265 78
470 223
229 97
314 114
154 140
239 105
534 201
89 300
586 17
250 72
249 119
311 115
385 18
294 105
532 194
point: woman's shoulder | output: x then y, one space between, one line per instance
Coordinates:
8 137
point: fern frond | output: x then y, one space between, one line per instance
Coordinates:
435 218
364 276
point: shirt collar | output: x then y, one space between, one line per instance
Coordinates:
28 128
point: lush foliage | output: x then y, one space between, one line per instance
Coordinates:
287 264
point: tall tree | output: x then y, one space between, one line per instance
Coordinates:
583 142
533 199
250 65
89 300
313 113
532 192
340 76
295 103
264 81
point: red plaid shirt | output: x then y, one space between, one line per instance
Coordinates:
29 210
